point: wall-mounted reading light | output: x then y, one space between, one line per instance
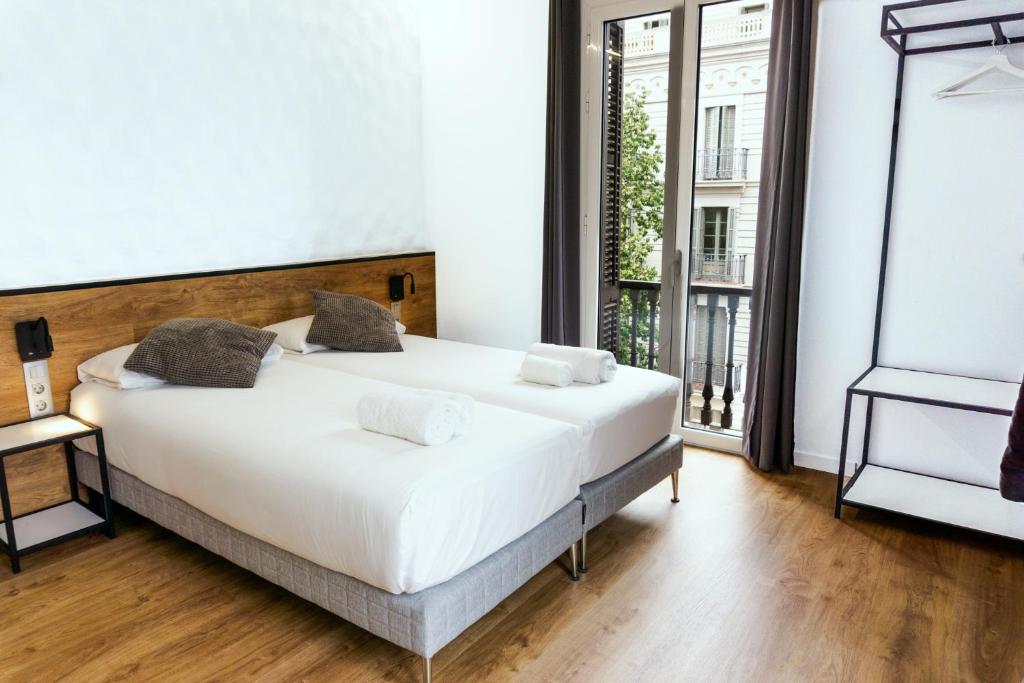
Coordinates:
396 286
34 341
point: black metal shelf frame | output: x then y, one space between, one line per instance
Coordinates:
897 35
9 544
900 34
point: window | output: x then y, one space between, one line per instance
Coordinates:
719 127
719 136
715 237
655 23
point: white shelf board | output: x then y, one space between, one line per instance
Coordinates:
50 523
991 395
35 431
963 505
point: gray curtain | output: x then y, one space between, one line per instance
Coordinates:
771 380
560 305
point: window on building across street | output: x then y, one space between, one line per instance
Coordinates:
715 239
719 136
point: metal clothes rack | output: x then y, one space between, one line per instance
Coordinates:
894 490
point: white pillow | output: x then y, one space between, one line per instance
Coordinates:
108 369
273 353
291 334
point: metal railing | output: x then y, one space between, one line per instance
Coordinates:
724 163
639 308
716 377
699 371
726 268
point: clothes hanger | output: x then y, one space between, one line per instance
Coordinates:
997 63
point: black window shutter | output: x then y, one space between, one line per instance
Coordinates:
611 183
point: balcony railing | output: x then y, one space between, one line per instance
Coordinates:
715 32
699 371
715 378
725 268
650 41
735 29
722 164
638 323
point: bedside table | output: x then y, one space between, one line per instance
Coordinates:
51 525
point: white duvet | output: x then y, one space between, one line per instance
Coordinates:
287 463
619 419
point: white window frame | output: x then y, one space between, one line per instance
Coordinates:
682 142
594 15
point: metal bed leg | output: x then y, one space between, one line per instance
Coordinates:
675 486
426 670
583 553
574 562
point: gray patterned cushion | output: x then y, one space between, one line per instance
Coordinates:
351 323
202 352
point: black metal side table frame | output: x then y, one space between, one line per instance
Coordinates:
72 517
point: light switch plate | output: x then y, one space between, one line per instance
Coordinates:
37 388
396 309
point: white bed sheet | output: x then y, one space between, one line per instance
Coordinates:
287 463
619 419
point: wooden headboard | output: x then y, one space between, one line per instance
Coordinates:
87 319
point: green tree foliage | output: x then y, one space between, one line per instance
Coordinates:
642 223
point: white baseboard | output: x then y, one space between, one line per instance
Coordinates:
823 463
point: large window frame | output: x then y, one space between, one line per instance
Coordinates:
683 138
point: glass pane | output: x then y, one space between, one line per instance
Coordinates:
640 132
731 95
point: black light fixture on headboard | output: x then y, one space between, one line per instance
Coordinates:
396 286
34 341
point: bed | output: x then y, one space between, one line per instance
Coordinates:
244 494
285 467
625 424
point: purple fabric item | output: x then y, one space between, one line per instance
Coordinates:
1011 481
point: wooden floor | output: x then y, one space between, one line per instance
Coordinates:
748 579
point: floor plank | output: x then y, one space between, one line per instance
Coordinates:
749 578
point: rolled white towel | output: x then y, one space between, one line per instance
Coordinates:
540 370
590 366
408 415
464 404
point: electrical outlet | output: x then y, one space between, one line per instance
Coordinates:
37 388
396 309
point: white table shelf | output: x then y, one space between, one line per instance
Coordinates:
951 391
949 502
25 533
56 522
32 433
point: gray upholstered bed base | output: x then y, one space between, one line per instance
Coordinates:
422 622
605 496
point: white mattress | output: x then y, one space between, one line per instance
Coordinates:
620 419
287 463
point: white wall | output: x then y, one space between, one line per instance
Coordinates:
956 274
484 94
140 138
